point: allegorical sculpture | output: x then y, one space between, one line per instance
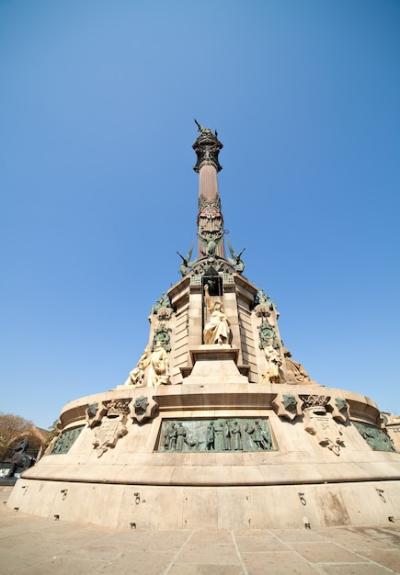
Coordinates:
292 371
158 368
216 330
235 259
272 372
264 306
136 376
152 368
186 264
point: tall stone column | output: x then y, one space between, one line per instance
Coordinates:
210 221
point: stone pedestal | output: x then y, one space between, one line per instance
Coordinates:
216 436
214 364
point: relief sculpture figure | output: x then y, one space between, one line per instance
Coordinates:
172 436
216 330
210 439
218 435
180 437
259 438
177 436
227 436
167 432
236 434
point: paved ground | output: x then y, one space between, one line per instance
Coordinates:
34 546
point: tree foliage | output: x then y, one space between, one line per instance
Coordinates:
10 426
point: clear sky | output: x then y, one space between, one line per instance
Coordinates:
97 101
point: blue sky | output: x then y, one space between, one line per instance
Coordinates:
97 191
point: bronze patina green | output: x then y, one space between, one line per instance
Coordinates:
375 437
228 434
65 441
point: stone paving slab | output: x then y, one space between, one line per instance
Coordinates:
36 546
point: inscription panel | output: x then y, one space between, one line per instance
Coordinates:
223 434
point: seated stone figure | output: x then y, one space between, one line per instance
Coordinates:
158 372
294 372
216 330
136 376
152 368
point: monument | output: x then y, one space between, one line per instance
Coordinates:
217 425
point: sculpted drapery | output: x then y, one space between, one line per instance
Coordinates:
216 329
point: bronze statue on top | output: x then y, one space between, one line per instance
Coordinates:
207 148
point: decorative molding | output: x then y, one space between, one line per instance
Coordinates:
143 408
319 423
109 423
220 265
287 406
340 409
162 336
315 400
163 308
264 306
